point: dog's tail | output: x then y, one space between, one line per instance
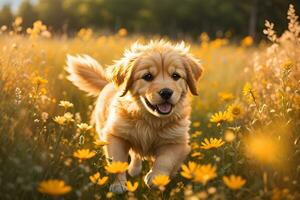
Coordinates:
86 73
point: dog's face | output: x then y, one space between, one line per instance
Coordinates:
158 75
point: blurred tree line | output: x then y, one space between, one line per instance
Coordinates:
167 17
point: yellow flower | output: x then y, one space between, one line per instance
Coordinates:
188 171
38 80
65 104
84 154
116 167
287 65
100 143
102 181
196 134
95 178
234 182
204 173
226 96
53 187
122 32
247 41
196 124
221 117
69 117
229 136
235 110
18 21
212 143
198 155
132 187
247 89
60 120
161 180
84 127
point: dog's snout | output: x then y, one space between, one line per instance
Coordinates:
165 93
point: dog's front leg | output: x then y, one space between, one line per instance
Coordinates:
168 160
117 150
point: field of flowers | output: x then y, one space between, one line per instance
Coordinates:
245 132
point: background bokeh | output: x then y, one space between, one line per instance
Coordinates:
175 18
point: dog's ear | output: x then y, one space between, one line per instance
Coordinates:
194 70
120 74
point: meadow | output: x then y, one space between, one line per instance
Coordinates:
245 128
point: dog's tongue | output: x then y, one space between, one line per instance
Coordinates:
164 107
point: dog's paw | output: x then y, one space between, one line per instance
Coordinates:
118 187
134 170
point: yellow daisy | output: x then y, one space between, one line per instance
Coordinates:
54 187
161 181
132 187
100 143
189 170
236 110
234 182
60 120
102 181
65 104
212 143
221 117
116 167
84 127
204 173
84 154
225 96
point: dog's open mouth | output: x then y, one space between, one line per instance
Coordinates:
163 108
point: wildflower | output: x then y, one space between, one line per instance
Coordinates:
198 155
116 167
100 143
95 178
188 171
161 181
18 21
212 143
247 41
235 110
102 181
38 80
84 154
132 187
68 117
229 136
287 65
234 182
54 187
84 127
65 104
221 117
204 173
196 124
196 134
61 120
122 32
249 92
225 96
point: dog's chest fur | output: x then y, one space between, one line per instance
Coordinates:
144 135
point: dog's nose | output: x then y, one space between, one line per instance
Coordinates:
165 93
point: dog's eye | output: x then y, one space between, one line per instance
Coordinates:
148 77
175 76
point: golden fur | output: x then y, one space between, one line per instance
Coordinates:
128 112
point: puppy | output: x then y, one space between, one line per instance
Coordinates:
142 108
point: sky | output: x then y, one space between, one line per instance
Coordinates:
13 3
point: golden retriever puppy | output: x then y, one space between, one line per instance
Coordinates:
142 108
